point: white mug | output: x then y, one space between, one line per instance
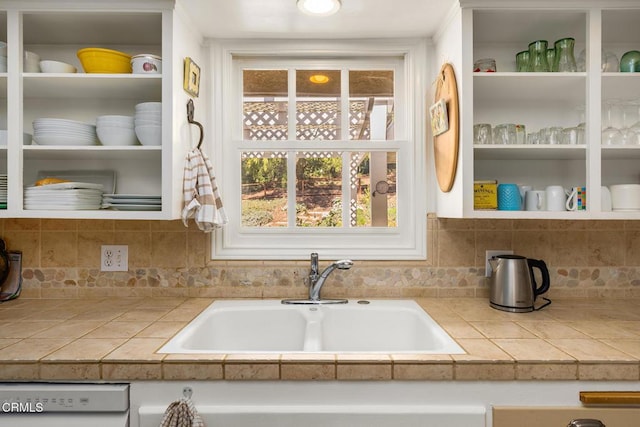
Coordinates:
556 198
523 191
576 200
535 201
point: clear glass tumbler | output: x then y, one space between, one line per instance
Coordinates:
482 134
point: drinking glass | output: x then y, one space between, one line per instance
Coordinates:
554 135
505 134
521 134
482 134
564 61
611 135
635 127
522 61
551 57
628 111
538 56
610 63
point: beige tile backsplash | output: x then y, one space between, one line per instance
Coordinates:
61 259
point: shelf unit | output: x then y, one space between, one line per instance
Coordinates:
488 29
56 31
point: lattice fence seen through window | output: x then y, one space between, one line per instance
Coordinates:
315 120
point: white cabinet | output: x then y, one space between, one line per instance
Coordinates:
56 31
541 100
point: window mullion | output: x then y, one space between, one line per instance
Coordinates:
291 189
344 104
292 122
346 156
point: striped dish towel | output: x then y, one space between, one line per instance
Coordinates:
182 413
201 198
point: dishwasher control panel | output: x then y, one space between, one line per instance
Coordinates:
63 397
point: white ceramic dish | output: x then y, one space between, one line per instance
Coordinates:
118 202
149 106
67 186
625 197
63 140
49 66
116 136
130 196
31 62
149 135
132 207
146 64
105 178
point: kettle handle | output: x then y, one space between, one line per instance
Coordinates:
540 265
4 264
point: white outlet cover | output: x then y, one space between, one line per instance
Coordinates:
114 258
490 254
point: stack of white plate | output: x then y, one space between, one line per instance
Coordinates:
3 57
3 191
64 196
48 131
116 130
132 202
148 123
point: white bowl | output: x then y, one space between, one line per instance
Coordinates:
146 64
149 135
49 66
149 106
148 115
625 197
146 122
112 135
120 121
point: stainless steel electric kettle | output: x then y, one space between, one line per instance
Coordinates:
513 285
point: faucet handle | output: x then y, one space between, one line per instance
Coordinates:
314 263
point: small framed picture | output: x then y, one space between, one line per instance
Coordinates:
439 117
191 77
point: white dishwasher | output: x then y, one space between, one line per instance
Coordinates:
64 404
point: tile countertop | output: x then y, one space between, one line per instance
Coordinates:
117 339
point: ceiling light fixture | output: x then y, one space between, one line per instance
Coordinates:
319 7
319 79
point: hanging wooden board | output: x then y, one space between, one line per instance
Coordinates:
445 144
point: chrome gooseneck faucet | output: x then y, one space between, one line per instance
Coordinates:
317 280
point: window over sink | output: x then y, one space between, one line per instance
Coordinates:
321 150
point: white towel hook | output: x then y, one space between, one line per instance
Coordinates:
187 392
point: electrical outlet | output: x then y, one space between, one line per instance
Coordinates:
114 258
491 254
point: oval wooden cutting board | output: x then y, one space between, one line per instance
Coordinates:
445 145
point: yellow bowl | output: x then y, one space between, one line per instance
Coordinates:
99 60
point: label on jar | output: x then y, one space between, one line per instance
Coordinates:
485 195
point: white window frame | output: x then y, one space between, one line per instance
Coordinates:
406 241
